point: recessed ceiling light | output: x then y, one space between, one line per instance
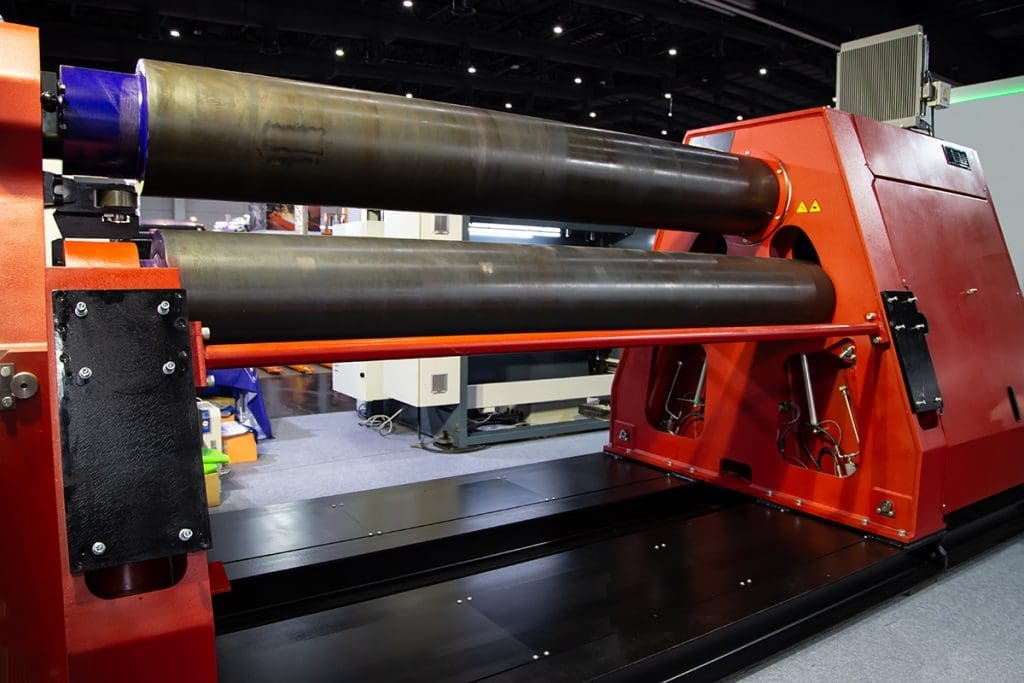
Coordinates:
557 29
339 52
739 117
577 80
672 52
471 70
763 71
670 114
175 33
592 114
407 3
664 132
508 105
668 96
409 95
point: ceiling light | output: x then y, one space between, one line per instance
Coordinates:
175 33
193 219
739 117
577 80
557 29
672 52
664 132
668 96
339 52
508 105
409 95
670 114
407 3
592 114
833 100
763 71
471 70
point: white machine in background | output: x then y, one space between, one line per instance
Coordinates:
433 382
421 382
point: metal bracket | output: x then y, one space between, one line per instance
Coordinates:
129 428
99 208
15 386
51 100
909 328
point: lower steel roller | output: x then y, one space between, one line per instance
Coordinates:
249 288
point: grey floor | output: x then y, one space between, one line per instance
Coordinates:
321 455
966 626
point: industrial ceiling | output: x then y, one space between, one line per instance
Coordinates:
653 67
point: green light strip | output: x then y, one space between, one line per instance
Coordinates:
985 91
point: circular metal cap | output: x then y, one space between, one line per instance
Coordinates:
99 547
24 385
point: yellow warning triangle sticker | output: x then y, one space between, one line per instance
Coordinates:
802 208
815 207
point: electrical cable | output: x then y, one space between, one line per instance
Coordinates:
383 424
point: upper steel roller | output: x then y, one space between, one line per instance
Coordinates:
198 132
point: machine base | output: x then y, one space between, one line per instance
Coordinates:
641 576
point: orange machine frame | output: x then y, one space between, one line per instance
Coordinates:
884 211
874 231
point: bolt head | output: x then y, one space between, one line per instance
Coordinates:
169 367
7 402
876 340
81 310
5 371
210 380
623 435
98 548
85 373
870 316
163 308
185 534
205 332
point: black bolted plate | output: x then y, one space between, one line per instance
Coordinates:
129 428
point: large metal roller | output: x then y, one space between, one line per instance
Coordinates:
226 135
249 288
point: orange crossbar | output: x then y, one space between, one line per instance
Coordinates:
338 350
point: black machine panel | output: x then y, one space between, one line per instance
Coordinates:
909 328
126 397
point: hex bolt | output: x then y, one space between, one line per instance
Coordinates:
876 340
85 373
163 308
205 332
211 380
98 548
185 534
870 316
7 402
799 502
81 310
169 367
5 371
623 435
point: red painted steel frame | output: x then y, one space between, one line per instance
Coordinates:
893 215
280 353
52 628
